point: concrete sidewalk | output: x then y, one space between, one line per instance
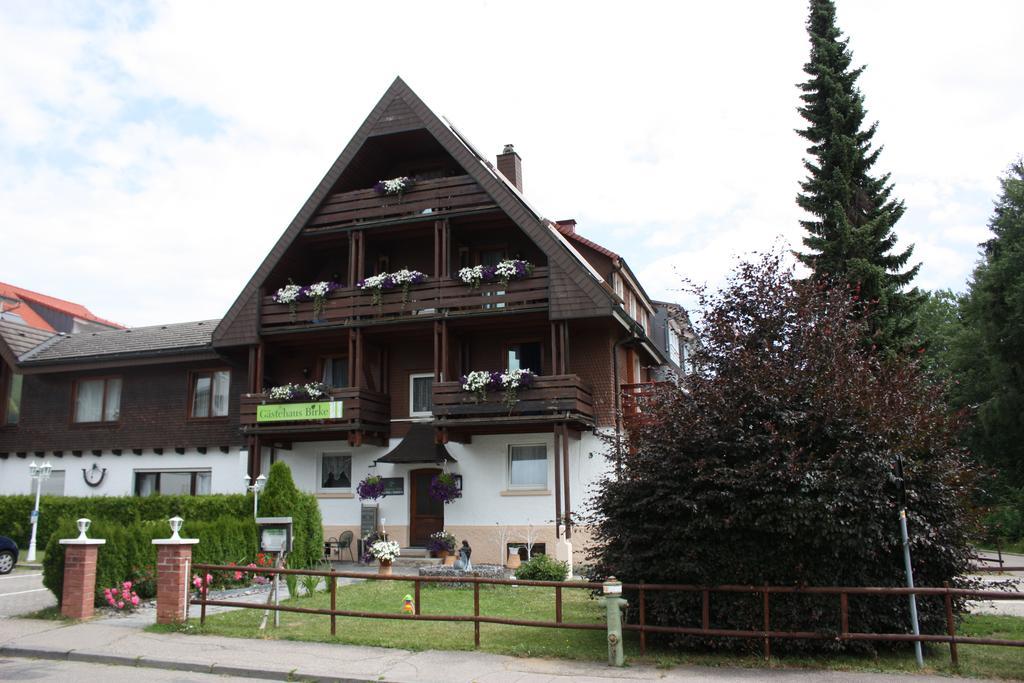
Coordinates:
123 641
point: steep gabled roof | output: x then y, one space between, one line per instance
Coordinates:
577 291
20 338
33 319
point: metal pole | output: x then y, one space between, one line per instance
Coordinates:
35 518
910 584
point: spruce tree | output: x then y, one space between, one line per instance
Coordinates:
989 355
850 241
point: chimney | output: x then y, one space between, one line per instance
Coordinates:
567 226
511 166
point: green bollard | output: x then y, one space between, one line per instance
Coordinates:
614 605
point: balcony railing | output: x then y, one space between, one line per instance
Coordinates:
361 409
637 402
549 396
426 197
434 297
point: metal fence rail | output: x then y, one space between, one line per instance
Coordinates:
766 634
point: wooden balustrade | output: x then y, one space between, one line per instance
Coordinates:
362 409
636 399
436 296
548 396
436 197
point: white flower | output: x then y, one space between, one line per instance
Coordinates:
313 390
513 379
476 381
472 275
375 281
288 294
385 550
319 288
284 392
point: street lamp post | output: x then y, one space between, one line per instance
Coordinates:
255 488
39 474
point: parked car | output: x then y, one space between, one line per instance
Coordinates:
8 555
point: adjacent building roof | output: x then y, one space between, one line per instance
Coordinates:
20 338
152 340
30 307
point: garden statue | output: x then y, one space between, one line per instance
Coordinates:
463 563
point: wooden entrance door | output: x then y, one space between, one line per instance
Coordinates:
426 515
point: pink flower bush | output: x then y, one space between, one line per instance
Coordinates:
122 598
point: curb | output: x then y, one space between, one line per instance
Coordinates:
170 665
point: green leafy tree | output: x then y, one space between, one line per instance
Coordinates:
939 328
850 240
990 351
281 498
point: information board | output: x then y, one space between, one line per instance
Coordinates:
394 486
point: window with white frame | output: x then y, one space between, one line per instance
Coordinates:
335 472
632 305
619 287
528 467
421 399
172 482
54 485
673 347
210 390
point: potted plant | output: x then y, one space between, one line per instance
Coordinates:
445 488
385 553
441 544
371 488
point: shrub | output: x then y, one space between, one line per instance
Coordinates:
281 498
776 463
15 511
542 568
129 554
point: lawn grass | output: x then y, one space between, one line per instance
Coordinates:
530 603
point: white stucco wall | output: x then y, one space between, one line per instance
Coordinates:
226 470
483 464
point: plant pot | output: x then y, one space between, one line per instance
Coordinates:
384 568
513 561
443 554
449 561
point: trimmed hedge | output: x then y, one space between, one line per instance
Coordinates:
129 553
15 511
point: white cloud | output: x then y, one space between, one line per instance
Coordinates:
667 130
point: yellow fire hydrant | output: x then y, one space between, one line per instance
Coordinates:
614 604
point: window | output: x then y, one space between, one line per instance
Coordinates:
632 305
172 482
619 288
421 399
54 486
335 371
13 410
528 467
98 400
525 356
335 472
210 390
673 348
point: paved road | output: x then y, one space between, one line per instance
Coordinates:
17 669
22 591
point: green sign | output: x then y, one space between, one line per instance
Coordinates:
296 412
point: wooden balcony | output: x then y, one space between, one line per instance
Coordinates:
551 398
435 297
362 411
434 198
637 402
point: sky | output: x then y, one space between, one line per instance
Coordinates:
151 153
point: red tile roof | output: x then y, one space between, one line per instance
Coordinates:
26 297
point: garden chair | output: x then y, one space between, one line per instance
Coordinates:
345 541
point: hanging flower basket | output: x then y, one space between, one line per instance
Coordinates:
479 382
313 391
371 488
444 488
504 272
394 186
404 278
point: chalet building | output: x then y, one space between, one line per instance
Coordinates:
198 408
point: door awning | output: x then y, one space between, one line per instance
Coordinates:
418 446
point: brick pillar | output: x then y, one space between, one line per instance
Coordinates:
173 573
79 594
